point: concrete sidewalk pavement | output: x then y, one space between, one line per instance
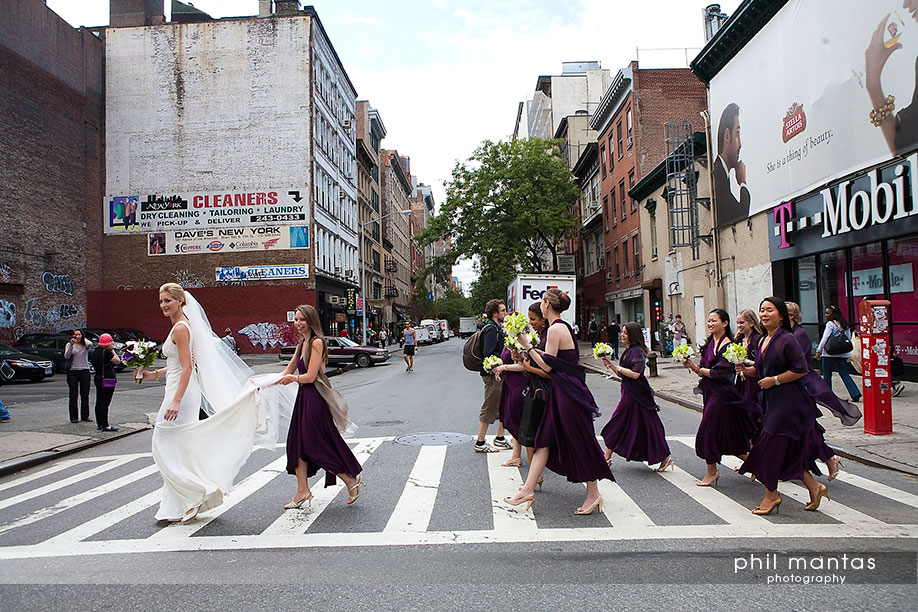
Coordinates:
896 451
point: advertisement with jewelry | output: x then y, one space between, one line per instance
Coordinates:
825 89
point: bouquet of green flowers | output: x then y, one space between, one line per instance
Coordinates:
139 354
490 362
515 324
736 354
513 344
682 352
601 349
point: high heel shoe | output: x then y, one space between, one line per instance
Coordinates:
833 467
352 495
297 503
668 463
597 503
518 462
528 500
713 483
766 511
192 513
822 491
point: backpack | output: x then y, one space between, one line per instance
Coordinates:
472 359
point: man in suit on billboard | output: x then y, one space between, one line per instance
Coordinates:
730 209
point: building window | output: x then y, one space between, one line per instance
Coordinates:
590 244
628 125
621 144
605 211
601 261
625 255
630 187
621 189
611 151
376 266
637 255
377 292
602 160
375 230
653 236
612 215
618 273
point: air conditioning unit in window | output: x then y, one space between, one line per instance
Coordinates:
630 142
349 273
653 252
337 270
609 277
347 124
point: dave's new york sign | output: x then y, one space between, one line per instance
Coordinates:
879 204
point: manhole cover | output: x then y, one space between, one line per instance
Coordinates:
433 439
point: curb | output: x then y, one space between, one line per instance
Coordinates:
18 465
675 399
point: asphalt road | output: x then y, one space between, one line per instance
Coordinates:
429 532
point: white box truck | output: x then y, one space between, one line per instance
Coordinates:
467 326
528 288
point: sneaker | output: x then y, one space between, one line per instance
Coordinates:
485 448
898 389
502 443
109 428
407 369
4 419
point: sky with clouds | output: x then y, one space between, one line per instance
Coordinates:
446 75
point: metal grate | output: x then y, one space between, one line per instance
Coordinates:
681 185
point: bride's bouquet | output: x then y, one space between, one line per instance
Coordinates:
682 353
139 354
513 344
490 362
600 350
736 354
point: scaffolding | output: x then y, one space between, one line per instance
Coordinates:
681 185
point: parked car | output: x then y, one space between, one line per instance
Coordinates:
26 367
44 346
345 350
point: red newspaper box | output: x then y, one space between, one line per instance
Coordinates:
876 364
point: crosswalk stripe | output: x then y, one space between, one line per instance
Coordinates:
293 522
240 492
75 536
715 501
415 506
903 497
78 499
621 510
66 482
63 465
506 482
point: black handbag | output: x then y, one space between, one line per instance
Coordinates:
838 343
531 418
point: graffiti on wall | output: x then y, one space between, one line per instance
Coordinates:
188 279
265 335
36 318
7 314
58 283
6 272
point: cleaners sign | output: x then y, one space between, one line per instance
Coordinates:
136 214
254 273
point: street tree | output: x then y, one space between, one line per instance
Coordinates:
510 204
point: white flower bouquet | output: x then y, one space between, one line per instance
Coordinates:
490 362
139 354
682 353
736 354
601 349
513 344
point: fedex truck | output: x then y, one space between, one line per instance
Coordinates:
528 288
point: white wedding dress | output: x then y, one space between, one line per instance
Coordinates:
199 459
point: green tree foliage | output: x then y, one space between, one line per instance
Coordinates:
510 205
452 306
491 283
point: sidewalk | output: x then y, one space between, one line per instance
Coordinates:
897 451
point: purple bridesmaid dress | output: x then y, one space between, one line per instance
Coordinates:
749 386
511 397
783 451
635 430
728 423
567 426
314 438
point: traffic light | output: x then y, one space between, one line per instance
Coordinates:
658 310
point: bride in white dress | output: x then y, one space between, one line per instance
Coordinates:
199 459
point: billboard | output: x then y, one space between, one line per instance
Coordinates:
138 214
253 273
824 89
228 240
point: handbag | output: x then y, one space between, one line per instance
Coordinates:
109 383
838 343
530 419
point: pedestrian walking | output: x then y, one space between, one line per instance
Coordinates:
565 441
77 352
229 340
748 333
729 420
319 416
492 343
104 359
781 452
835 349
680 336
635 430
591 331
383 337
614 332
410 339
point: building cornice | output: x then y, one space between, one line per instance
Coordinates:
618 90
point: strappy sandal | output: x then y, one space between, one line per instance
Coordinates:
354 492
518 462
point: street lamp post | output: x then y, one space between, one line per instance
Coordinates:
363 268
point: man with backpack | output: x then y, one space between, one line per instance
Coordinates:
491 337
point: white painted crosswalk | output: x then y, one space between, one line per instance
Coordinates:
73 491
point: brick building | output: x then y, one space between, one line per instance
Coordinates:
630 121
370 132
395 185
51 136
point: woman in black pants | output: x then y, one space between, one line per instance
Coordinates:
77 351
104 359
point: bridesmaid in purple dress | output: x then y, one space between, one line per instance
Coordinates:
635 430
847 412
516 376
314 440
728 423
565 442
748 332
783 449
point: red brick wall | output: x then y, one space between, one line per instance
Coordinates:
263 308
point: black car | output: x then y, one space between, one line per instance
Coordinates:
345 351
92 334
44 346
26 367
